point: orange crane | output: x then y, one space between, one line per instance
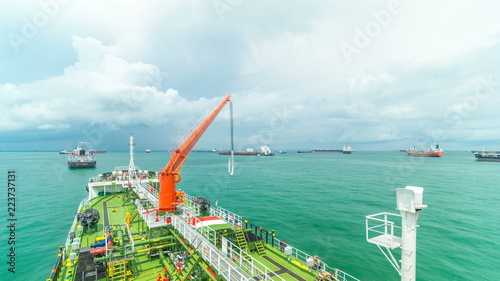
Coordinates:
170 176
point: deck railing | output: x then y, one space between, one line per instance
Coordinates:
83 203
319 267
224 266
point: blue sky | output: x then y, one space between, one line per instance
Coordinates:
377 75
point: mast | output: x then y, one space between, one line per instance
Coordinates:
131 165
170 176
380 230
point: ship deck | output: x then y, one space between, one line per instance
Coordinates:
148 263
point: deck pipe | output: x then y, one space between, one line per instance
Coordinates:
105 258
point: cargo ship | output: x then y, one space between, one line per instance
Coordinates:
264 151
93 151
81 158
487 156
435 151
328 150
135 225
247 152
345 150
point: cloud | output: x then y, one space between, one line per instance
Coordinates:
101 89
150 67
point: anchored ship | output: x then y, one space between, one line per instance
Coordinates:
487 156
81 158
432 152
135 225
264 151
328 150
347 150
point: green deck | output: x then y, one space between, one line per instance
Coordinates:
113 210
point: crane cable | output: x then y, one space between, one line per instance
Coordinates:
230 166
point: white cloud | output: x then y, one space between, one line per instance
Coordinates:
100 88
160 63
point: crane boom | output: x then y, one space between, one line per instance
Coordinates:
169 198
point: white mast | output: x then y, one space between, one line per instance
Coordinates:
131 165
409 203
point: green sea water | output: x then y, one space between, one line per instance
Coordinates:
317 202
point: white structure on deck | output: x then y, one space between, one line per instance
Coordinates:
383 232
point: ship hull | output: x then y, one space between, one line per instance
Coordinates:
328 150
81 164
487 157
426 154
239 153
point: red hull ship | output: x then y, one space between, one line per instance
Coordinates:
432 152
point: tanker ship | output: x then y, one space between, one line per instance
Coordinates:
135 225
431 152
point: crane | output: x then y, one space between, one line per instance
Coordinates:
169 198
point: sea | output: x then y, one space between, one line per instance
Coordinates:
317 202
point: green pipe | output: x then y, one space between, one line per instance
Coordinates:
144 242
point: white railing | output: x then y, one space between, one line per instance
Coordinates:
227 216
251 265
321 266
246 262
145 189
383 232
150 216
224 266
83 203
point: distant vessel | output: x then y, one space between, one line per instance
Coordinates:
81 158
248 152
205 150
266 151
282 152
64 152
148 150
347 150
432 152
328 150
487 156
304 151
93 151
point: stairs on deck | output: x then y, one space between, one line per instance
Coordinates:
117 270
242 241
189 266
260 248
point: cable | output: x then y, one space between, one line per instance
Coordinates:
230 165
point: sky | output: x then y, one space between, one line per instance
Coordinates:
376 75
